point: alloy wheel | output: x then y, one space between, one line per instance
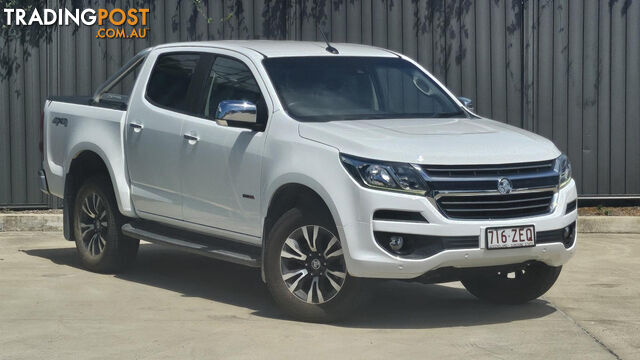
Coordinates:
93 223
312 264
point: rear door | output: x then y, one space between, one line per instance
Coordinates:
154 139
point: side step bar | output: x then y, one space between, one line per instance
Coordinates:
195 243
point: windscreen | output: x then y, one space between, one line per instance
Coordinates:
356 88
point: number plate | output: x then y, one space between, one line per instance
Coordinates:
511 237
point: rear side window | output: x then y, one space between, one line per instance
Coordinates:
170 81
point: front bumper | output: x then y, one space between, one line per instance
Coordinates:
366 258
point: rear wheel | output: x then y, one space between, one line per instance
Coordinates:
305 268
514 287
99 240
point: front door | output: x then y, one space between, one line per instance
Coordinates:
221 165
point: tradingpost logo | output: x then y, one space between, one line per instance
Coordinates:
111 22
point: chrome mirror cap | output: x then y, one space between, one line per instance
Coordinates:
236 110
468 103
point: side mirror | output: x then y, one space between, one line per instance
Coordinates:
236 111
468 103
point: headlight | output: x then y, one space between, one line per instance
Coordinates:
563 167
385 175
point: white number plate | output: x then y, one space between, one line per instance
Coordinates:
511 237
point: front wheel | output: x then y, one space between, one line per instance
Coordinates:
516 287
305 268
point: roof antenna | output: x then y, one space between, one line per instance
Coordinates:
329 48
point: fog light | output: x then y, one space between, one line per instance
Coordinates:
396 243
569 235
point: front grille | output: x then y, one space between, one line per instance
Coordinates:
498 170
496 206
459 242
471 191
550 236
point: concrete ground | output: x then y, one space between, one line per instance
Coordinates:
176 305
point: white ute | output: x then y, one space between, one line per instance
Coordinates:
321 164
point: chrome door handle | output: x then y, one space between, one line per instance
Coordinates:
137 127
191 138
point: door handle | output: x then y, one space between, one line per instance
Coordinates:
191 138
137 127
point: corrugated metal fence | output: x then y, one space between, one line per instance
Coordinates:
566 69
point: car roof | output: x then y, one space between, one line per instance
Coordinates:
288 48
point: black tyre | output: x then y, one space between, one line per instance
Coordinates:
517 287
97 221
305 269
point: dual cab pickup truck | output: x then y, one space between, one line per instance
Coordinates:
320 164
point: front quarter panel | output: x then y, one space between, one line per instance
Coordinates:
291 159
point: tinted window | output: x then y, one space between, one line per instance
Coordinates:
170 80
345 88
232 80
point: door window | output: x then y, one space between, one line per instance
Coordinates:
231 79
170 81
